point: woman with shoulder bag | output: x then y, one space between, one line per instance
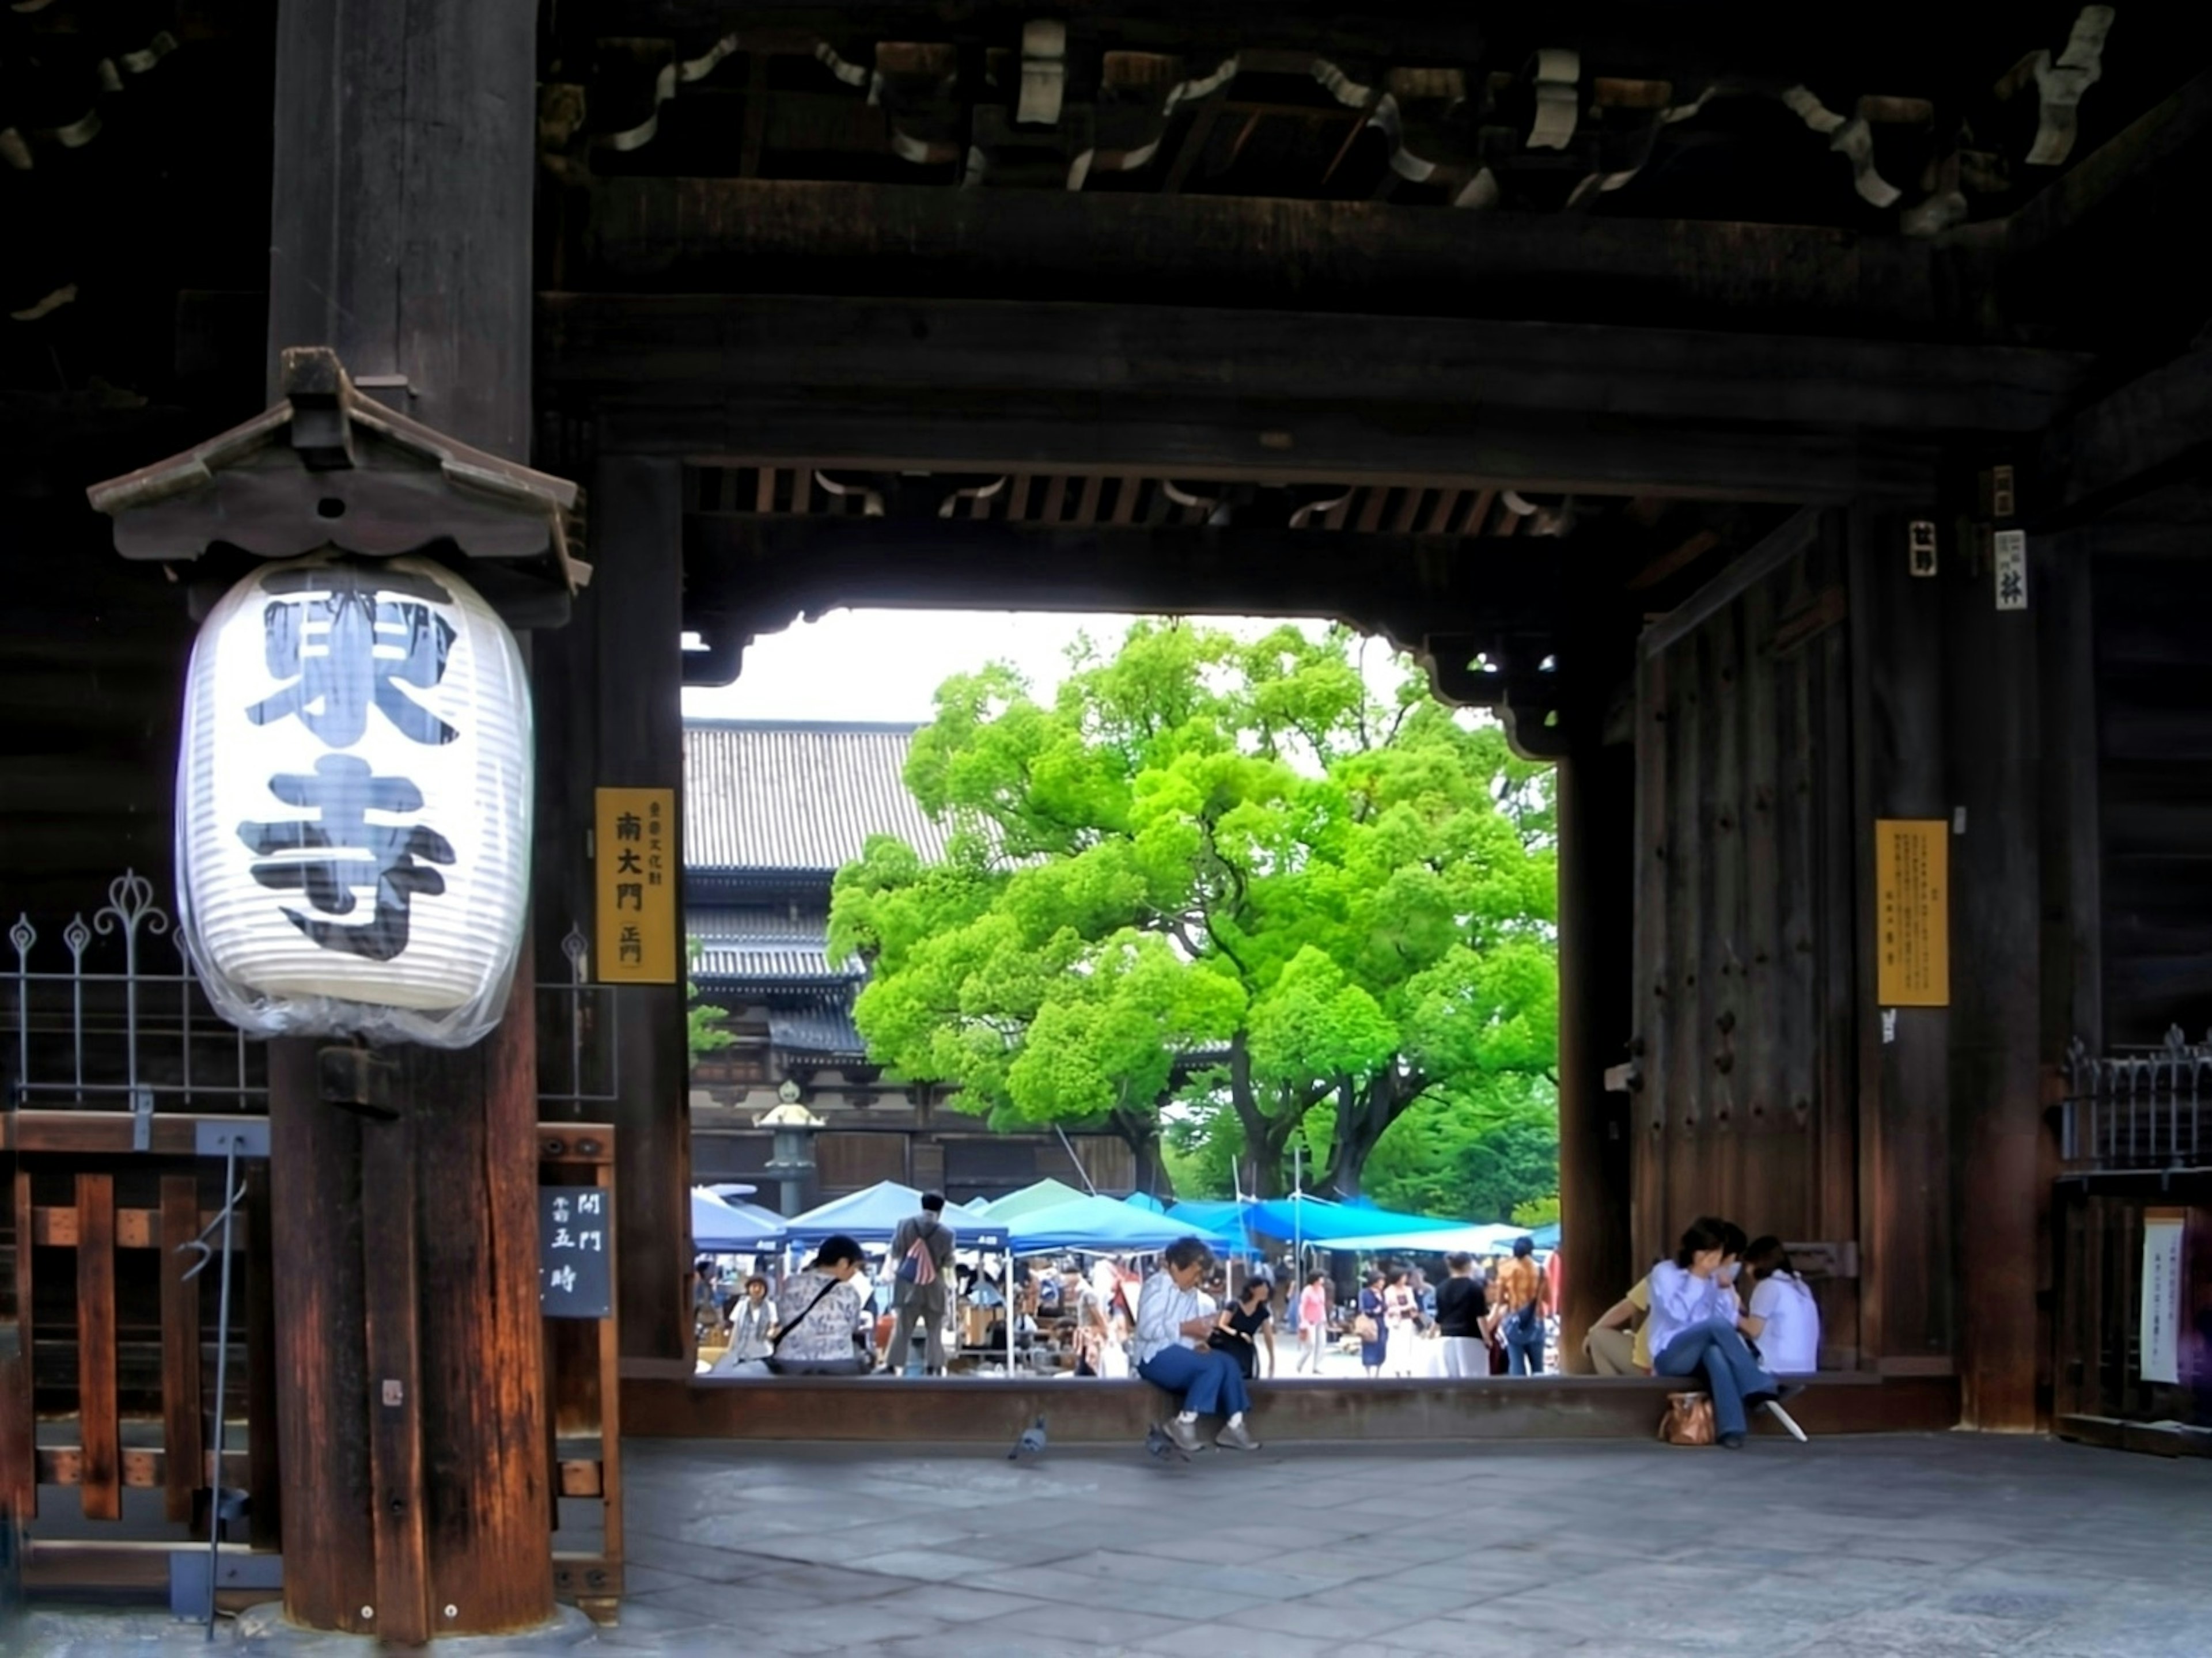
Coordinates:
819 1340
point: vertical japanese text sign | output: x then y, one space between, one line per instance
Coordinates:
576 1233
1912 912
635 854
2158 1333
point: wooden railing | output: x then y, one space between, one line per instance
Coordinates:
107 1388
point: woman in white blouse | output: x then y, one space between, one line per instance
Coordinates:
1782 1320
1173 1323
1694 1316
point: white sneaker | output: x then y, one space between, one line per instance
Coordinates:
1236 1438
1185 1435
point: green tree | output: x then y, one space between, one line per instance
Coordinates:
1217 877
702 1021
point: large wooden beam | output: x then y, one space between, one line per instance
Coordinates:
747 576
1258 441
777 235
2154 431
632 345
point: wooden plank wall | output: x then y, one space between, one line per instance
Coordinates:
2155 746
1744 924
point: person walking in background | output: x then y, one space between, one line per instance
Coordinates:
1244 1325
921 1260
1313 1321
1368 1324
1462 1307
1401 1316
1517 1310
1782 1319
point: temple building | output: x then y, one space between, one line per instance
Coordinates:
772 809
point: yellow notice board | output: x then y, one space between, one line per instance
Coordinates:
1912 888
635 853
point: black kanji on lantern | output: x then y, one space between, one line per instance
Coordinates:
340 792
325 642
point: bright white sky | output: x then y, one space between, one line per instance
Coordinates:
887 665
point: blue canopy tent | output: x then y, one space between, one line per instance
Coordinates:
1145 1201
871 1216
1545 1237
1309 1219
1215 1215
1103 1224
718 1228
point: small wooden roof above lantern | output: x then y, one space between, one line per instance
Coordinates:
329 466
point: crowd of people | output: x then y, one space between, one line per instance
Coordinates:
1723 1307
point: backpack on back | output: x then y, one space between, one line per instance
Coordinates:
918 1265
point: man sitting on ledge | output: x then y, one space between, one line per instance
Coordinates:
1170 1350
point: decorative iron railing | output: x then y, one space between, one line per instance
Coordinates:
116 1018
2146 1109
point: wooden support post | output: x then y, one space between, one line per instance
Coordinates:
482 1392
391 1289
1596 805
611 697
1906 1191
1991 693
322 1384
182 1422
99 1434
411 266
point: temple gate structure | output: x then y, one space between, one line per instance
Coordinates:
1792 426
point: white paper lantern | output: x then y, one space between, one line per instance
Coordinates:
354 803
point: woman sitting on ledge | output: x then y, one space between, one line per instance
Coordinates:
1170 1350
1693 1324
826 1311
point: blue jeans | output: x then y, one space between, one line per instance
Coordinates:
1731 1373
1524 1352
1208 1382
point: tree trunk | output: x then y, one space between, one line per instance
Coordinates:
1265 1136
1142 1136
1363 1116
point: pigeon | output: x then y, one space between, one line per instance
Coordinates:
1162 1449
1031 1443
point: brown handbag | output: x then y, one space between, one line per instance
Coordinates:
1689 1420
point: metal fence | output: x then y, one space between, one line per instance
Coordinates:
2146 1109
110 1014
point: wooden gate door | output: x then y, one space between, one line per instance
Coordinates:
1745 1046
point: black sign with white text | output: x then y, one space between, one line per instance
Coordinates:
575 1246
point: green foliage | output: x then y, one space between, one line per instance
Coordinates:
702 1024
1219 880
1537 1211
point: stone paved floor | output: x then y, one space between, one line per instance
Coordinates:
1936 1546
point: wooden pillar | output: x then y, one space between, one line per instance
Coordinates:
1596 820
1906 1185
411 1403
1993 704
611 697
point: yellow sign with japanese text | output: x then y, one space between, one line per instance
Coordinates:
635 875
1912 912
